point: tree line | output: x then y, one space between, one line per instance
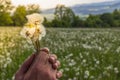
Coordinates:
63 16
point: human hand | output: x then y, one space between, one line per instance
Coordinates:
41 66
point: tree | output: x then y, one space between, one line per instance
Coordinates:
19 16
93 21
33 8
78 22
116 14
108 19
5 19
5 8
47 23
64 16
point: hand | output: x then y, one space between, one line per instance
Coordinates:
42 66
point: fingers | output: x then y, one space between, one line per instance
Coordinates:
52 58
43 55
56 64
59 74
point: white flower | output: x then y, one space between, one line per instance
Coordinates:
34 29
27 32
116 70
39 32
35 18
43 31
86 74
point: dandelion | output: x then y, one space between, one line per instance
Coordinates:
86 74
84 61
33 30
116 70
109 67
78 73
97 62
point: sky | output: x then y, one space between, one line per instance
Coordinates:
47 4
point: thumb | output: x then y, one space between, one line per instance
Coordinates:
26 65
42 57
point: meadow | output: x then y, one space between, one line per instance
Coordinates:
85 54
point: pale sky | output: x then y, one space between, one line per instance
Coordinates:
46 4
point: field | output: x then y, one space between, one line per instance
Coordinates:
85 54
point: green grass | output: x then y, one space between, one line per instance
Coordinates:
85 54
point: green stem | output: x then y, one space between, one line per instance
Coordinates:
34 45
37 45
37 42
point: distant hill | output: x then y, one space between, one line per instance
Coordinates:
93 8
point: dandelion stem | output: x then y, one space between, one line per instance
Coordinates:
34 44
37 45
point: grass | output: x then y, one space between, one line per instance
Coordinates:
85 54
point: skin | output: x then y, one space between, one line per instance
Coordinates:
41 66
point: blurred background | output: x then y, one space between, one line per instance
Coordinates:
85 35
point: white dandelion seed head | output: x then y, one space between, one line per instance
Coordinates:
116 70
35 17
30 31
86 74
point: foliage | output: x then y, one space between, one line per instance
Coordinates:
5 19
71 20
46 22
16 18
64 16
93 21
19 16
33 8
5 7
104 20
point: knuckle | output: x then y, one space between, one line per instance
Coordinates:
52 59
58 62
53 55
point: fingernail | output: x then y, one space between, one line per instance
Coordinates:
58 63
45 49
55 65
53 55
52 59
59 74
